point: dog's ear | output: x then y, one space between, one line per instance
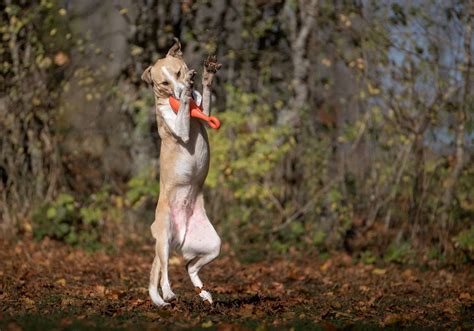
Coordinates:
146 76
175 50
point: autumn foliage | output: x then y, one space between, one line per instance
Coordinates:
346 132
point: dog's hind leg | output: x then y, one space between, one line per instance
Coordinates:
193 268
160 230
201 246
154 278
165 284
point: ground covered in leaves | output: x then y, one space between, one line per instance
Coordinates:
48 285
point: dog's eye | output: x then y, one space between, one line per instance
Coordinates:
178 73
165 83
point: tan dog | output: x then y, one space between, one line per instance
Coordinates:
180 218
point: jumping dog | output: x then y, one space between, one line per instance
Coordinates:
180 218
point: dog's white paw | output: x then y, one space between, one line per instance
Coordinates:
156 298
168 295
206 296
161 303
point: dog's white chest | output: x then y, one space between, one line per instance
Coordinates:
192 163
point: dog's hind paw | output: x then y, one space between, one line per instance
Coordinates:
169 295
156 298
206 296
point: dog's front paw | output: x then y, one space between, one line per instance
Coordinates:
211 65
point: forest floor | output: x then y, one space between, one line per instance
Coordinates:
51 286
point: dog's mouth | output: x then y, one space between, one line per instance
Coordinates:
177 90
177 87
195 95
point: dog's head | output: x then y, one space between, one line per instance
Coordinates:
167 74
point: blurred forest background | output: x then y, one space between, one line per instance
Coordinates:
346 124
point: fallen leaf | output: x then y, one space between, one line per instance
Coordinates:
379 272
28 301
363 288
67 302
246 310
278 287
61 282
336 305
465 296
345 287
136 302
151 315
175 261
450 310
391 319
326 265
99 290
207 324
407 274
12 326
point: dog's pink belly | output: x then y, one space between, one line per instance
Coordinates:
190 223
182 206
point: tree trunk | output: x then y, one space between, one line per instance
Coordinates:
460 123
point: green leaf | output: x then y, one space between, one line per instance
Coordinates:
51 213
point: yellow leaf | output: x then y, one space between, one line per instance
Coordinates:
136 50
363 288
372 89
61 282
326 265
119 202
207 324
379 272
174 261
29 301
36 101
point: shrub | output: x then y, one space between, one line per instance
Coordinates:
465 241
399 253
65 220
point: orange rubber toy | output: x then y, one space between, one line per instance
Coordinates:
196 111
